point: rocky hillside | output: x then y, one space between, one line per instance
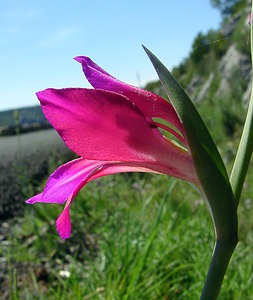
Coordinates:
235 62
217 75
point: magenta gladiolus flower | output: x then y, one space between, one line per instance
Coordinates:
114 128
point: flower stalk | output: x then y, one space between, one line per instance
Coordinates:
224 249
223 252
245 148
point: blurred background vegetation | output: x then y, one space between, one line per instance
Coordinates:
135 236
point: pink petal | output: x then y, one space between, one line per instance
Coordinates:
102 125
150 104
64 184
67 180
63 224
34 199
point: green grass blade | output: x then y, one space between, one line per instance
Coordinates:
138 271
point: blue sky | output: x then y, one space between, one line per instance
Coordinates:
38 40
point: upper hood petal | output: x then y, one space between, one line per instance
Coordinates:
149 103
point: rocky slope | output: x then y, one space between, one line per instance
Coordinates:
218 75
232 62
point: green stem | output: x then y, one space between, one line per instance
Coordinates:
245 148
224 248
222 254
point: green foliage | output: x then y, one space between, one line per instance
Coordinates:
21 115
241 35
204 44
22 120
135 236
224 114
228 7
200 46
207 49
139 247
233 112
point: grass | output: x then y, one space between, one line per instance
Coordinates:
135 236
